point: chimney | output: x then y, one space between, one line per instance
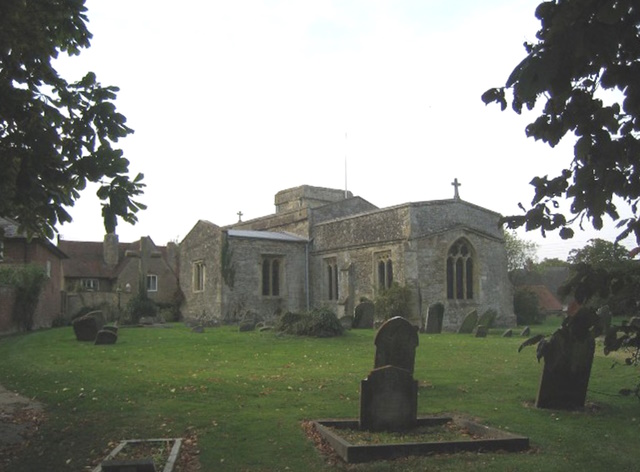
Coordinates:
110 249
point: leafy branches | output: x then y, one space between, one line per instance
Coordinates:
56 136
584 72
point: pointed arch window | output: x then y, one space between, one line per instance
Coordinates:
332 279
460 269
385 270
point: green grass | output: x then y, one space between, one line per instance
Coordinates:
246 394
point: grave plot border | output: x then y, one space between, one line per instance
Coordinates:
171 460
491 439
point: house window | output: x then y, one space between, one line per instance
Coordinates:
90 284
271 275
198 276
152 283
385 271
332 279
460 271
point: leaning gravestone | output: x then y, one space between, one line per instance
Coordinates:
508 333
106 336
470 321
389 395
86 327
364 315
488 318
435 318
526 331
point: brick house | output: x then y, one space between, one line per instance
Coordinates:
107 274
325 247
16 250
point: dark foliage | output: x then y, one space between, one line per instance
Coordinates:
395 301
584 70
525 307
319 323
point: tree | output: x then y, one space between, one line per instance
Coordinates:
599 253
56 136
584 69
520 252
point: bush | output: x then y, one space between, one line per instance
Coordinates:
319 323
28 282
525 306
140 306
394 301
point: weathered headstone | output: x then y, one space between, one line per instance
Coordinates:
388 400
604 313
396 343
481 331
106 336
389 395
364 315
508 333
526 331
488 318
435 318
469 323
112 328
86 327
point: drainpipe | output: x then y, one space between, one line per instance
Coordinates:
306 273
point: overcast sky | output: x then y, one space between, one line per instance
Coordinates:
233 101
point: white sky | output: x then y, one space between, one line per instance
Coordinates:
232 101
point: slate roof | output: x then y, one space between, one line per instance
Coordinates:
274 236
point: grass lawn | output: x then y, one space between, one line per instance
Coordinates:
245 396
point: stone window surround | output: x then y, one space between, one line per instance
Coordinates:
199 275
460 277
383 269
90 284
331 279
272 287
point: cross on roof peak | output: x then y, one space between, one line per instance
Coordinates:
456 184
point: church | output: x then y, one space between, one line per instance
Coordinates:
327 248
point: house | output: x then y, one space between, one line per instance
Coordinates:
107 274
326 247
16 249
548 303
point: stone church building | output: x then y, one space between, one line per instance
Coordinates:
327 248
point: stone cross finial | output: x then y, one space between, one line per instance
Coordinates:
456 184
239 216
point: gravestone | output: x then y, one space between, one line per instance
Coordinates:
481 331
508 333
197 329
364 315
113 329
488 318
389 395
470 321
388 400
435 318
396 343
604 313
86 327
106 336
526 331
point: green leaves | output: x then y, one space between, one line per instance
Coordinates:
584 49
56 136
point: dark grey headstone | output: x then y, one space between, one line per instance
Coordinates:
388 400
526 331
86 327
435 318
364 316
508 333
469 323
481 331
113 329
396 343
106 336
565 377
488 318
